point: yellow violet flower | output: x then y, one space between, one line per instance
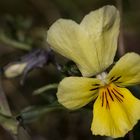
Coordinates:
92 46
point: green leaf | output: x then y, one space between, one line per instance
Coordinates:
6 119
9 123
33 113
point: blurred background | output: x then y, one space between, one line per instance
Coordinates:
23 26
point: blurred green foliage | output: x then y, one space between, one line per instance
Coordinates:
23 26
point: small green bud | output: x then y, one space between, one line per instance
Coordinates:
14 70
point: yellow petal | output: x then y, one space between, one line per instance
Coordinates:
126 72
92 52
102 26
116 111
70 40
76 92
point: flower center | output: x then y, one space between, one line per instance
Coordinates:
102 78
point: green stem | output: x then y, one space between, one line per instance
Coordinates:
9 42
45 88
